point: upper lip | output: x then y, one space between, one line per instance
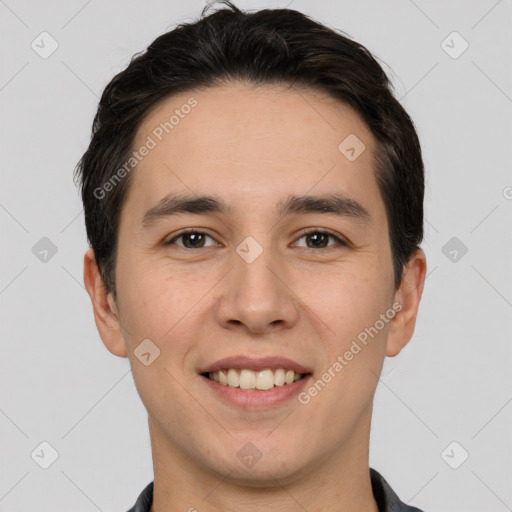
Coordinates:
255 364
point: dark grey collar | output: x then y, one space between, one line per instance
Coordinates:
387 500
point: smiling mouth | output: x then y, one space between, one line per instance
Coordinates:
254 380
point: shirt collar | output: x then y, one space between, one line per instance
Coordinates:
386 498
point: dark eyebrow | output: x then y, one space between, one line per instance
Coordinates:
337 204
174 204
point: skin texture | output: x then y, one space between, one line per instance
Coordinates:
254 146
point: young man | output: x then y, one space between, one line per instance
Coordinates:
253 198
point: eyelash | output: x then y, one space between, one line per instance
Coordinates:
303 233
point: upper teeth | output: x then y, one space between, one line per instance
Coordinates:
248 379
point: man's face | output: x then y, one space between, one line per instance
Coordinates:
250 283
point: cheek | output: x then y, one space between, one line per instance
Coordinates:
354 345
348 301
156 297
159 307
351 307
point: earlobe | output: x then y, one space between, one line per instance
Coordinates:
106 314
408 296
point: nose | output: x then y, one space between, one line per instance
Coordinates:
257 296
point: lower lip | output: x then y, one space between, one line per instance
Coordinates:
254 398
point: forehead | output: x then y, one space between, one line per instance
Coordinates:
253 144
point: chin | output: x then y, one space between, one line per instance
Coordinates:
261 475
259 468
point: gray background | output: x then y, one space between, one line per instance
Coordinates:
59 384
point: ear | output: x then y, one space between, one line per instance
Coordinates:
106 315
408 295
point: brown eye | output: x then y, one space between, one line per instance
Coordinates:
191 239
320 239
